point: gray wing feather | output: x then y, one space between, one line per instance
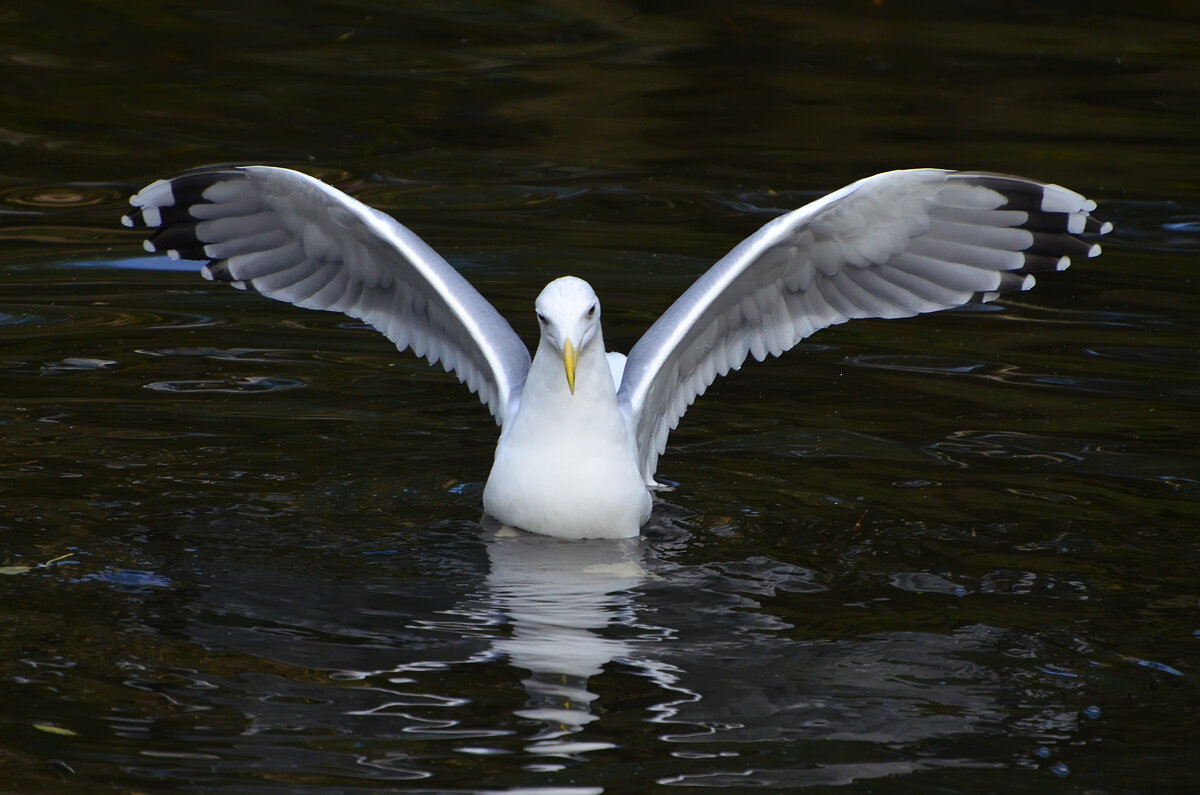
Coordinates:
892 245
295 239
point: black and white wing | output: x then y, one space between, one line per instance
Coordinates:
295 239
893 245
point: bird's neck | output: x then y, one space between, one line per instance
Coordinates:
547 386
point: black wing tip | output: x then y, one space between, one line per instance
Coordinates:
1050 254
1061 245
1049 208
165 206
218 271
1010 282
1061 221
1020 193
189 186
180 236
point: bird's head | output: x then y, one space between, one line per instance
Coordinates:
568 314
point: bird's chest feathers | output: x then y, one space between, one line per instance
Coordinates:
574 435
570 430
566 464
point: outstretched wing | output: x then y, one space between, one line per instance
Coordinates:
892 245
295 239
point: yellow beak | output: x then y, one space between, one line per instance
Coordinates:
570 359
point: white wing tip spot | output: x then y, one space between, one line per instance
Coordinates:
1062 264
149 247
1106 227
1028 282
151 216
126 221
1094 251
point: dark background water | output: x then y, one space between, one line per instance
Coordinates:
951 553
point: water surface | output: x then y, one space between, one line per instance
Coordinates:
240 544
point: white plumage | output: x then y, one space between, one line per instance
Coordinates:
581 432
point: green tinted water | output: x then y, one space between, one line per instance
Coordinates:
953 552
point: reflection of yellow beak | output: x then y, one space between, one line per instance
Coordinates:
570 358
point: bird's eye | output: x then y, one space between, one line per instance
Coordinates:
542 318
592 311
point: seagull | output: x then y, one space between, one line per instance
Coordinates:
581 429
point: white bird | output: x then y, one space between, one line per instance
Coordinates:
581 431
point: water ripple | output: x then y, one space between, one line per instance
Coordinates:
960 446
131 578
920 364
41 198
231 385
1157 355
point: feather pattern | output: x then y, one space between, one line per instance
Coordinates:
293 238
893 245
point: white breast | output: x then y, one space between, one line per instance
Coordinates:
566 465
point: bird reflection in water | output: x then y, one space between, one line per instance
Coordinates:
559 597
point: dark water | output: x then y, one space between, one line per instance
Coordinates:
241 544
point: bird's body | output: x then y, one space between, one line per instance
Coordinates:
581 428
567 463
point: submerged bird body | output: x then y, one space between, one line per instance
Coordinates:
582 429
